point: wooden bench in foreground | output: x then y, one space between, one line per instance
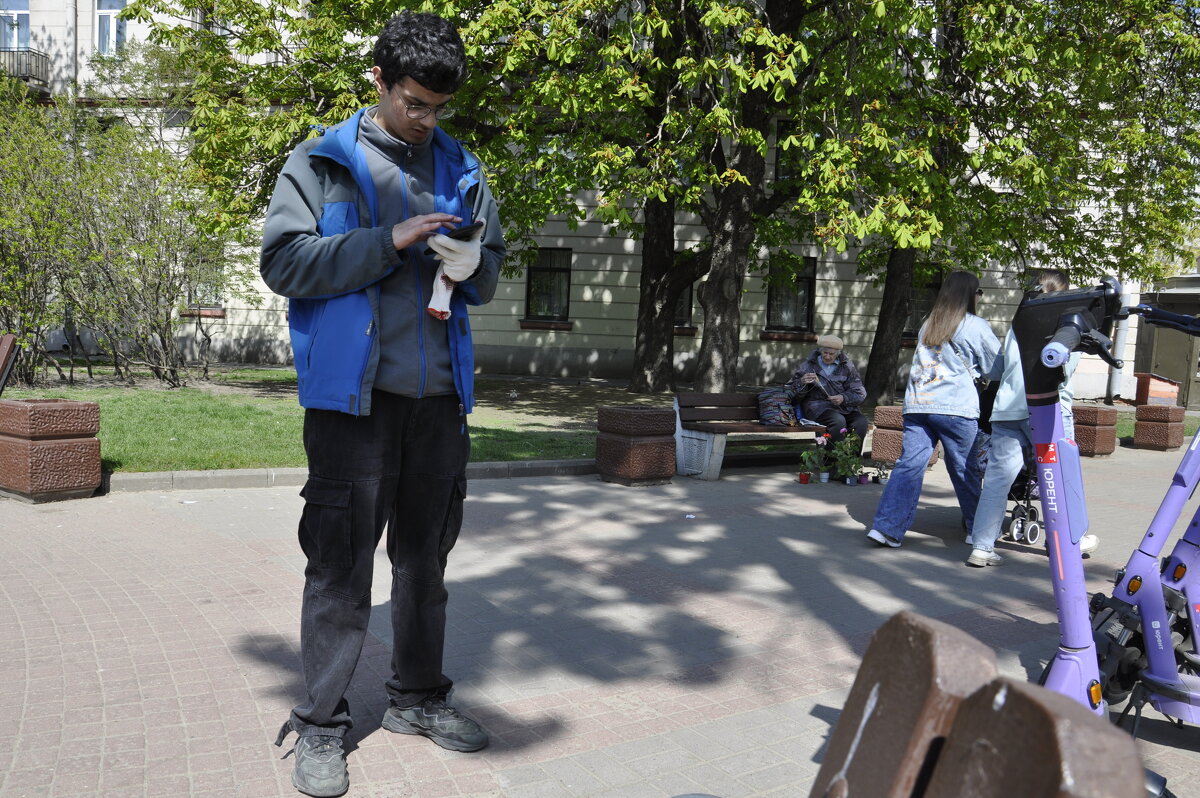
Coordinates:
705 423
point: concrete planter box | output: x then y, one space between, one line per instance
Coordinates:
48 449
1158 427
1096 430
888 435
635 445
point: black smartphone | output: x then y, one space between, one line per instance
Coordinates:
460 233
465 231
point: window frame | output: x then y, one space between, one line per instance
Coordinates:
808 282
545 266
117 30
20 32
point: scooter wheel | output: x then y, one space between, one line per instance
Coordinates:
1033 532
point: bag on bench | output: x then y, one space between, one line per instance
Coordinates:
775 409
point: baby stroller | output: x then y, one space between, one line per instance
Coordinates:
1023 524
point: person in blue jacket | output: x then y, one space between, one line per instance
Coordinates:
353 237
941 405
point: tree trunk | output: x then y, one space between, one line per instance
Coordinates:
654 345
880 378
721 294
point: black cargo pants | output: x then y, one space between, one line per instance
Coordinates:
403 467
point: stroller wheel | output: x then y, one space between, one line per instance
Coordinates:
1032 513
1033 532
1017 529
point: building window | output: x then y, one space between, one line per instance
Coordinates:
204 302
684 308
14 24
920 302
110 30
548 286
790 297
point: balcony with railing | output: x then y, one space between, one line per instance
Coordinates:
31 66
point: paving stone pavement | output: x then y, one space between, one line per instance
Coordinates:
690 637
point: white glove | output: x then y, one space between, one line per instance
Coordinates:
459 258
439 301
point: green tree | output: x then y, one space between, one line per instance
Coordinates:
933 134
34 240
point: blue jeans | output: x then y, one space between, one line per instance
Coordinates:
898 505
1010 440
404 468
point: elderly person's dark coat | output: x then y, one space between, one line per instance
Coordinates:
813 401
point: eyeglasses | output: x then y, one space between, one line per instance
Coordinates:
416 111
829 351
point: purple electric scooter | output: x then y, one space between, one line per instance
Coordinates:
1103 654
1048 328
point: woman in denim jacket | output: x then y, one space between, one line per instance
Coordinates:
1011 442
941 404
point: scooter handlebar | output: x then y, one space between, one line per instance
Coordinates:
1062 344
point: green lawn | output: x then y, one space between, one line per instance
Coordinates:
249 418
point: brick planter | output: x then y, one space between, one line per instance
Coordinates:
888 437
1158 427
1095 430
635 445
48 449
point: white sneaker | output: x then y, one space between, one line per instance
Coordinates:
1088 544
882 539
980 558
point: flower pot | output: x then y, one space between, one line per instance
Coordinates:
823 476
851 480
863 479
883 479
804 477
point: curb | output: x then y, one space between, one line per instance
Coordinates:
296 477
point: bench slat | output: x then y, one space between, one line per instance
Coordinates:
718 414
689 399
726 427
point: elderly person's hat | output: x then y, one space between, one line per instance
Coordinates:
829 342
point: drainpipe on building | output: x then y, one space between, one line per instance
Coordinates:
1113 390
73 38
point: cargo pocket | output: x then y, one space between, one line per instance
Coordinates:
453 520
326 524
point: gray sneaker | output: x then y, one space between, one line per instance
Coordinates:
320 764
981 559
440 722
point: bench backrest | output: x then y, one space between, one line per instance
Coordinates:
8 356
717 406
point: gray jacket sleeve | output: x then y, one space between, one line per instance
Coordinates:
296 261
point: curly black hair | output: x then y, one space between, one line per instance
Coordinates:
426 48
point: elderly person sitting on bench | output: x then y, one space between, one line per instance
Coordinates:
827 389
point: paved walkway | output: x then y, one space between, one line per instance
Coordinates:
692 637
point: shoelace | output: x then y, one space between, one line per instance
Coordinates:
324 746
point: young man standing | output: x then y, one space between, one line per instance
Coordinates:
354 237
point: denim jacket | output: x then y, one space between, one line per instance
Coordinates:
942 378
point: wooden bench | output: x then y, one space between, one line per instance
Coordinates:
705 423
8 356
